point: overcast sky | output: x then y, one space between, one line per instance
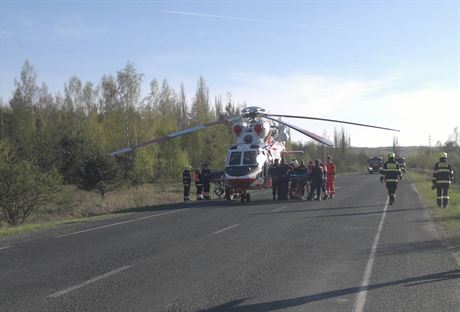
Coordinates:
390 63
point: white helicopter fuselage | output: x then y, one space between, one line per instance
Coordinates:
248 161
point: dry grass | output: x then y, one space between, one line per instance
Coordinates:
74 205
449 217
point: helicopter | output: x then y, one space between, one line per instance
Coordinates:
260 139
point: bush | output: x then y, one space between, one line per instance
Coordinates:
99 173
23 188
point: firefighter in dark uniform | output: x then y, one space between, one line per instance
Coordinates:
198 184
186 181
391 174
206 180
442 177
283 180
274 173
303 170
317 180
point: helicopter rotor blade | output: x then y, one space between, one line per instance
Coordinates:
332 120
173 135
303 131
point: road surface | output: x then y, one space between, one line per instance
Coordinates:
352 253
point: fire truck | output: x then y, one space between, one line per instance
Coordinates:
374 164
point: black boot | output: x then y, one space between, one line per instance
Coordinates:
445 202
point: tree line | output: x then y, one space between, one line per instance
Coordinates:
50 140
66 138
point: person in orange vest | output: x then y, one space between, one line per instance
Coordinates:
198 184
330 181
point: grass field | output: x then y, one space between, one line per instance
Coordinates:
448 218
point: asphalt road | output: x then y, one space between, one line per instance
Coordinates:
352 253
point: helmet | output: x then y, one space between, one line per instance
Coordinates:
391 155
443 155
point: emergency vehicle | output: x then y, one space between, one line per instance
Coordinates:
374 164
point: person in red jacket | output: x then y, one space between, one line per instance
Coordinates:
198 184
330 181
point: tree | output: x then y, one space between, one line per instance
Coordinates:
23 187
24 97
129 88
99 173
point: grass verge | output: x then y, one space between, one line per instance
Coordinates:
74 205
448 218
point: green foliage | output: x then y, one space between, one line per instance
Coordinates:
23 187
99 173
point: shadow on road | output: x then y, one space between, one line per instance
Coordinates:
215 204
317 209
234 305
412 247
360 213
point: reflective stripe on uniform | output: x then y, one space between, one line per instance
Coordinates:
442 170
442 182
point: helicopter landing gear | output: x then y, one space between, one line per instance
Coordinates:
245 196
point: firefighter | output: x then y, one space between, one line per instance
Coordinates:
283 180
330 179
186 181
303 170
317 180
442 177
391 174
198 184
274 172
206 181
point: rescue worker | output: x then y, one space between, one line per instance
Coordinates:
198 184
284 180
310 166
274 173
303 170
442 177
186 181
323 186
330 179
317 180
391 174
206 181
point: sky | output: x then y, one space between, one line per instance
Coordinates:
389 63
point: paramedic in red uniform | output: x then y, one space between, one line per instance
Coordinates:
330 181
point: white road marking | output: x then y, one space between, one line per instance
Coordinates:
225 229
5 247
362 294
119 223
90 281
278 209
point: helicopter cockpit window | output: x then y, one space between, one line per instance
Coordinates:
249 158
235 158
